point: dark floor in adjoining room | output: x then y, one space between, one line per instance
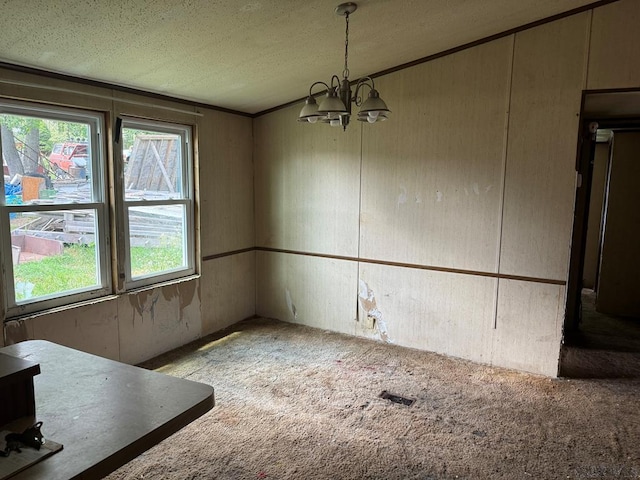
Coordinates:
606 346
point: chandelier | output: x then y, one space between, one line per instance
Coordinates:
335 106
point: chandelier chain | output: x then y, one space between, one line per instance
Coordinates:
345 72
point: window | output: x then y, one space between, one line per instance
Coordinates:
55 247
54 209
158 201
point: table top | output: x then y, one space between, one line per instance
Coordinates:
13 369
104 413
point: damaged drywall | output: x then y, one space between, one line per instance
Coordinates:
184 291
374 319
16 331
155 320
145 302
290 305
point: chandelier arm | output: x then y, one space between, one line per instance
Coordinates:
317 83
357 99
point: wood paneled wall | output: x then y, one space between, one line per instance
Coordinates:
307 185
307 290
226 219
432 174
549 68
458 221
226 182
615 46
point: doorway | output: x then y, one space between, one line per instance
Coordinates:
602 323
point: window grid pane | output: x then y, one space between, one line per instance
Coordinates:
55 261
154 165
157 240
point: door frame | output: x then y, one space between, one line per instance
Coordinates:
584 169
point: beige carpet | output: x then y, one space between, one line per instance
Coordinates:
299 403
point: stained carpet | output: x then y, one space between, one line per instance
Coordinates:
294 402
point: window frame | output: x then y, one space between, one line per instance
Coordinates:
99 203
187 200
112 242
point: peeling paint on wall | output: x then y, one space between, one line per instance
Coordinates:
290 305
367 301
143 302
184 291
15 331
169 292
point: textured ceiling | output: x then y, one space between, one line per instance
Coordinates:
246 55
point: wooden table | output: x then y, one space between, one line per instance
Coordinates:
103 412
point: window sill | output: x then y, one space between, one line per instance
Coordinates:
97 300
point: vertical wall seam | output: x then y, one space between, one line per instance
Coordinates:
255 217
359 217
505 148
587 52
